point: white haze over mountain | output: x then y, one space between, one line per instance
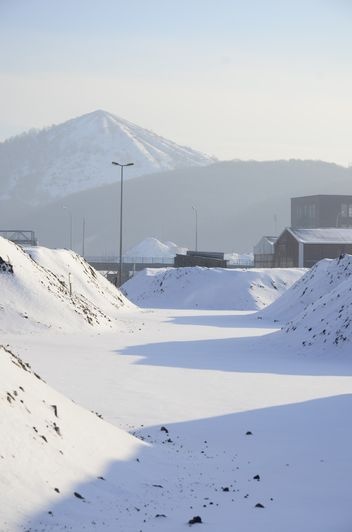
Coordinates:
74 156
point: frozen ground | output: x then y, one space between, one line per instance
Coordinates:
228 421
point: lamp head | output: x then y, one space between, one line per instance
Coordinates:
119 164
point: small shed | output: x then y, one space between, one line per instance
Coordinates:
208 259
302 248
264 252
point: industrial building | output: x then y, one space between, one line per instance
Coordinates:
304 247
322 210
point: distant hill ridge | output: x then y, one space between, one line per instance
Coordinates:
236 203
74 156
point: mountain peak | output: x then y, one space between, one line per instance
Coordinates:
76 155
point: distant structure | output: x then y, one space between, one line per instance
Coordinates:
321 211
321 227
21 237
208 259
264 252
304 247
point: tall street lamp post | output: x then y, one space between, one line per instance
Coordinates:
70 215
122 166
196 213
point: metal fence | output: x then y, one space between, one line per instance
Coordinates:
132 260
23 237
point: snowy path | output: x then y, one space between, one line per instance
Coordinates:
172 366
210 377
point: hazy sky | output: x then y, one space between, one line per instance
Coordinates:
239 79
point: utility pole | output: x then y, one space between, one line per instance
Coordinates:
122 166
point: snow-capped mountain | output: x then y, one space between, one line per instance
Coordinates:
76 155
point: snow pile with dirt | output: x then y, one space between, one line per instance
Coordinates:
209 288
49 445
318 308
153 248
43 288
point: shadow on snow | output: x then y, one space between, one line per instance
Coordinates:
300 451
270 351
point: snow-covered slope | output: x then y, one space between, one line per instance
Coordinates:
318 308
77 155
209 288
326 275
154 248
49 445
44 288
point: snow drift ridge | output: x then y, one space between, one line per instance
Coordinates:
44 288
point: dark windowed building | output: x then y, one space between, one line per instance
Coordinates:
304 247
321 211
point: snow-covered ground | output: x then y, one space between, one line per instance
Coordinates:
234 424
209 288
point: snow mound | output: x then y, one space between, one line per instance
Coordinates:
326 275
154 248
209 288
76 155
44 288
49 445
319 306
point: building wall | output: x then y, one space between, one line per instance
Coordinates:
305 212
263 247
321 211
286 251
336 210
265 260
315 252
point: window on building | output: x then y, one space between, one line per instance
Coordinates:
344 210
311 210
350 210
